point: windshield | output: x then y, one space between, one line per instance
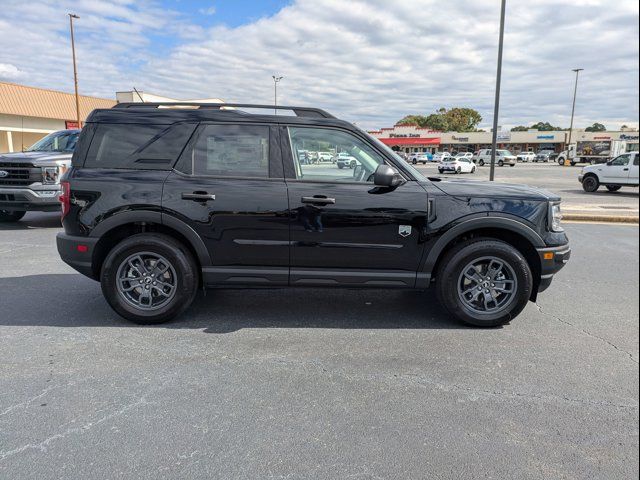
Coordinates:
56 142
414 171
503 152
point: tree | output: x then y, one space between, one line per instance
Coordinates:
544 127
520 128
596 127
457 119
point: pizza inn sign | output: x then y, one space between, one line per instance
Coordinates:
404 135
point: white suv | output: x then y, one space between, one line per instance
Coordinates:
503 157
620 172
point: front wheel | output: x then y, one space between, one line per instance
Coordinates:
149 278
590 184
481 163
352 164
340 166
484 282
6 216
500 163
614 188
473 170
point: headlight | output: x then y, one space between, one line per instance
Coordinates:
50 175
555 218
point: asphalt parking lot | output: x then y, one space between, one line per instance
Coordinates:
318 384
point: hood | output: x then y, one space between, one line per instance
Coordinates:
472 188
34 157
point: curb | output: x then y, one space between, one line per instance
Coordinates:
582 217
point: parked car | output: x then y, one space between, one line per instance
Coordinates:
620 172
160 203
457 165
503 157
343 159
543 156
30 180
325 156
421 157
440 156
467 155
526 157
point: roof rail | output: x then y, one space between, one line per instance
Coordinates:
299 111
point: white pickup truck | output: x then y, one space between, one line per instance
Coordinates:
620 172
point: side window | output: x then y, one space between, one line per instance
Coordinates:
137 146
229 151
621 161
635 160
352 159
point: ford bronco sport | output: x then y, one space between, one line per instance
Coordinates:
162 200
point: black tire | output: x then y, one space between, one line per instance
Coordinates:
352 164
573 164
590 183
500 163
414 161
481 163
181 260
455 261
441 171
458 171
340 166
6 216
561 162
614 188
473 169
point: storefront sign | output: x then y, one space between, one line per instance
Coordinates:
69 124
404 135
460 139
504 136
624 136
546 137
602 138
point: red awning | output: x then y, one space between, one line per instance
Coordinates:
410 141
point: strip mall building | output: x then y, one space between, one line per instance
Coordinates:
410 139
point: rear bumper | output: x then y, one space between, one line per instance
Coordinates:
552 260
77 252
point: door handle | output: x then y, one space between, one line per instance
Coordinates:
626 169
198 196
319 200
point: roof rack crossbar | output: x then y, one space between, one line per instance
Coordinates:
299 111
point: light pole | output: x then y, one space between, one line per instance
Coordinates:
496 106
75 70
276 79
573 111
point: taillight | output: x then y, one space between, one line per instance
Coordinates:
65 197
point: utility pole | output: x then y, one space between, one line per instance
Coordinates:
573 111
496 107
276 79
75 69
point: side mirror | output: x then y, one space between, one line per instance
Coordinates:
385 176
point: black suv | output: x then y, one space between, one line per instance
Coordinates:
164 199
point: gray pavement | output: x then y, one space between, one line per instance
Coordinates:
318 384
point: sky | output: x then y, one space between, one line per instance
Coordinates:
369 62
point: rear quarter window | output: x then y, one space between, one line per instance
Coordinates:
137 146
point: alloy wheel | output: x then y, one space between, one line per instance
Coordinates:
146 280
487 285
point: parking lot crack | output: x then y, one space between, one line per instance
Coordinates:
44 444
28 402
589 334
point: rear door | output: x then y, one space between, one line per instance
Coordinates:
616 171
344 230
228 186
633 169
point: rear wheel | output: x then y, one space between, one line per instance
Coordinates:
614 188
484 282
590 184
500 163
481 163
352 164
473 169
414 161
149 278
6 216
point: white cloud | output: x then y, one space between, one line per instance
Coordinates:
367 61
10 72
208 11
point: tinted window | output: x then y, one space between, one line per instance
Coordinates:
56 142
137 146
622 160
635 160
229 151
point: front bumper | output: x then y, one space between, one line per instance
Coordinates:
552 260
43 198
77 252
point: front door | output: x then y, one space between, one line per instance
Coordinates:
228 186
616 171
344 230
